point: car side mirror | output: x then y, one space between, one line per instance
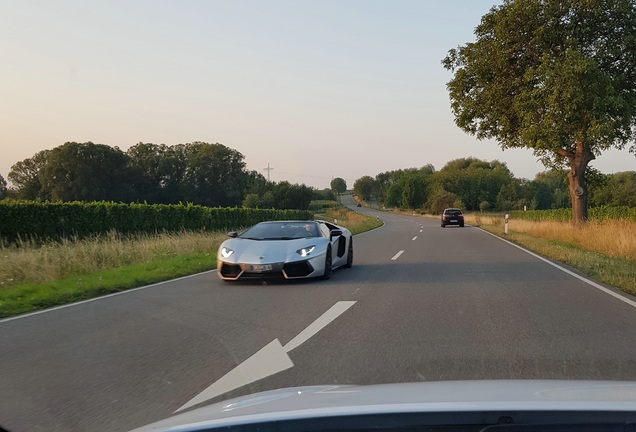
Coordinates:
232 234
335 233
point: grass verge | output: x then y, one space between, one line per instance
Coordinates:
602 251
35 277
31 297
355 222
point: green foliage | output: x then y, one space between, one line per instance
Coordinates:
414 191
617 189
338 185
321 205
556 77
198 172
363 187
404 188
565 214
473 181
44 220
282 195
323 195
3 187
86 172
441 199
25 176
546 74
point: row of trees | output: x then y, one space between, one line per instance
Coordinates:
474 184
198 172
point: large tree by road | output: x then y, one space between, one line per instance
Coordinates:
558 77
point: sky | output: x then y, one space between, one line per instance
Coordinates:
316 89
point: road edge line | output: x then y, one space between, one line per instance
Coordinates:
593 284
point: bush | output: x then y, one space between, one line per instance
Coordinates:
50 221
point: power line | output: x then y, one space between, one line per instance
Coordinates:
268 169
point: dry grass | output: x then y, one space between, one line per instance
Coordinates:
354 221
30 263
614 238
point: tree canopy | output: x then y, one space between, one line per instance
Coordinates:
478 185
338 185
197 172
553 76
363 187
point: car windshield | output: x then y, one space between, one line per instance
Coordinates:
281 231
201 200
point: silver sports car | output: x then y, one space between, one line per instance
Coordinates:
285 249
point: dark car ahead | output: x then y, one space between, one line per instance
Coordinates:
452 216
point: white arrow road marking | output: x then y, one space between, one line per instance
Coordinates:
397 255
270 360
334 312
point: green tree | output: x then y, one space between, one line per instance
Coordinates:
414 191
3 187
282 195
161 169
25 176
394 194
553 76
363 187
86 172
440 200
252 200
338 185
473 180
214 174
619 189
551 189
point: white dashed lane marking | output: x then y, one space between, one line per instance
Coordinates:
397 255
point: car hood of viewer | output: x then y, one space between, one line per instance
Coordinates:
448 396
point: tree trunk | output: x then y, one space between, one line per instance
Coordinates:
576 177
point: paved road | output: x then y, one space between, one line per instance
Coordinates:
457 303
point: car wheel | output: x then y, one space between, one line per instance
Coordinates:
443 225
350 255
461 225
327 273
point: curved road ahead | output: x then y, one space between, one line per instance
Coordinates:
421 303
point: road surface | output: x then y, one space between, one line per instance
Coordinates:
421 303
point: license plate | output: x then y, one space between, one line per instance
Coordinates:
260 267
453 220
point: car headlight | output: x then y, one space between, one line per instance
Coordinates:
306 250
226 252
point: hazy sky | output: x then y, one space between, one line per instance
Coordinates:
317 89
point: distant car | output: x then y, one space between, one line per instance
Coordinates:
285 249
359 205
452 216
